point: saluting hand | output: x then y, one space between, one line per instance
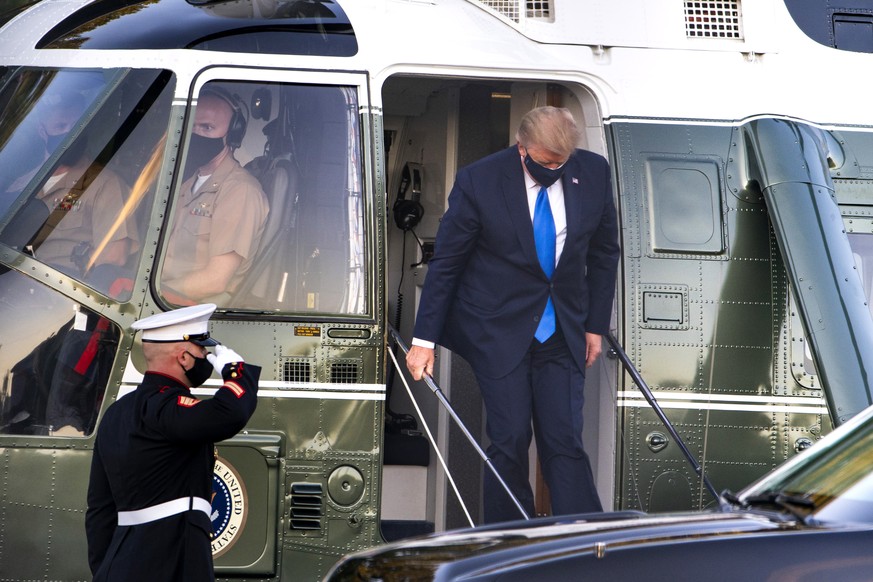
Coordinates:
223 355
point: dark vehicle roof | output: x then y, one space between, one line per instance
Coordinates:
289 27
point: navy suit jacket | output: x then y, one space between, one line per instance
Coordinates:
485 290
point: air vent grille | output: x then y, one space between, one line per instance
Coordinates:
713 19
345 372
511 9
539 9
307 503
297 370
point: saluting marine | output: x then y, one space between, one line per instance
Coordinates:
149 498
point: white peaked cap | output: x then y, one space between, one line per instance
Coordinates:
188 324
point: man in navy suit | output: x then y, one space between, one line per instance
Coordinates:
521 285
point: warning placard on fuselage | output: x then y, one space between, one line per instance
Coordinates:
307 331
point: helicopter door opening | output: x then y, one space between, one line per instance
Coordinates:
436 126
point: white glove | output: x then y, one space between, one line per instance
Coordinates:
223 356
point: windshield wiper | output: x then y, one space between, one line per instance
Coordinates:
799 507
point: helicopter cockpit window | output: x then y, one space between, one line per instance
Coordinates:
79 153
55 360
269 214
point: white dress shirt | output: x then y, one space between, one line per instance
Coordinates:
559 212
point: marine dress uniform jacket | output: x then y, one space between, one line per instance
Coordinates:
485 289
153 446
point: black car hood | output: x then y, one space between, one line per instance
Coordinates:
548 549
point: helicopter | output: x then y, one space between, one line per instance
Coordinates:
741 156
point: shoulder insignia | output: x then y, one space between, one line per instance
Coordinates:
187 401
237 390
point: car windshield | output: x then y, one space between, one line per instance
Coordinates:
79 154
834 478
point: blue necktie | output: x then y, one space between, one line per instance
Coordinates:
544 236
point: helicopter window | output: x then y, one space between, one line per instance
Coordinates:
55 360
269 215
79 153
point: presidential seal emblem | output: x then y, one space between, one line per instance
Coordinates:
230 506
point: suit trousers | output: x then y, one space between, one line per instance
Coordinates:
543 395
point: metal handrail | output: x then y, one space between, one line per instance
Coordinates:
650 398
444 401
618 350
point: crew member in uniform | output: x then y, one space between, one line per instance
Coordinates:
222 210
84 202
148 515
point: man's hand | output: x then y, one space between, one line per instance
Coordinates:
593 343
223 355
419 361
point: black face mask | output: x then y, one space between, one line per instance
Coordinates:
53 141
543 175
201 151
199 372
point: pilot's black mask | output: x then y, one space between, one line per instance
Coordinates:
52 141
201 151
74 152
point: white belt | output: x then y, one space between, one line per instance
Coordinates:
162 510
